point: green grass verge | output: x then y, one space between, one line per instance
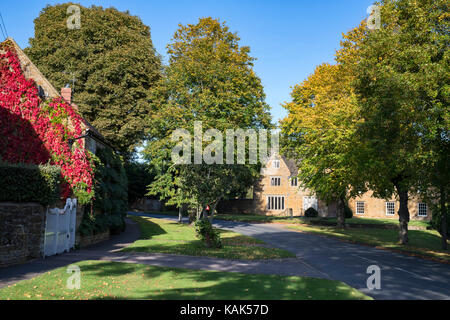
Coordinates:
421 242
303 220
116 280
159 235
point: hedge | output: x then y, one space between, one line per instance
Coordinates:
29 183
111 195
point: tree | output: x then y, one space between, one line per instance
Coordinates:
109 62
139 175
320 129
209 79
402 84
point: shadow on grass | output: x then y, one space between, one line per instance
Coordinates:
174 284
170 237
148 228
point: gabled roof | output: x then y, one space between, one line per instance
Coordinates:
292 165
30 71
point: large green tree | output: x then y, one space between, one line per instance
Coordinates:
402 88
109 62
209 79
320 129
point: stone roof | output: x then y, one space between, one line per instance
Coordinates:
292 165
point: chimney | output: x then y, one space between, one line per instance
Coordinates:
66 94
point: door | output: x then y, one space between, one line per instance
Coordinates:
310 202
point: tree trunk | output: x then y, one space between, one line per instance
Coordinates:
341 213
199 213
213 210
180 214
444 219
403 214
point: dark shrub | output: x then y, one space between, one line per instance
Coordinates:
29 183
111 195
311 213
348 212
207 233
436 220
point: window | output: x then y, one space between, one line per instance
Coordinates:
294 182
360 207
275 202
422 210
275 181
390 208
276 163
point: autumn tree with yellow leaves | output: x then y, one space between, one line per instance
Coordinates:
320 129
378 118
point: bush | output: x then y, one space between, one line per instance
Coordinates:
348 212
93 224
436 220
311 213
207 233
30 183
139 176
111 195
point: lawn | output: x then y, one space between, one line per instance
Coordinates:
116 280
303 220
164 236
422 242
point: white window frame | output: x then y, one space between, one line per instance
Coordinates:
358 207
418 209
274 180
276 203
276 164
388 208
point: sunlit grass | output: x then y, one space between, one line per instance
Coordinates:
423 242
303 220
116 280
163 236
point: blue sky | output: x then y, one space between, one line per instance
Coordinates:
289 38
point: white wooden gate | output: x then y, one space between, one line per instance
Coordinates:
60 228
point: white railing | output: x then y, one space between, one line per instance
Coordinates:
60 227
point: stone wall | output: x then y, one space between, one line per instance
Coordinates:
376 208
22 227
236 206
84 241
147 205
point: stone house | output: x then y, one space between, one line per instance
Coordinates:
22 225
367 206
278 193
93 139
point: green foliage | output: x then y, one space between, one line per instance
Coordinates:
113 61
111 188
436 220
311 213
348 212
207 233
29 183
210 78
111 197
93 224
139 176
321 124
